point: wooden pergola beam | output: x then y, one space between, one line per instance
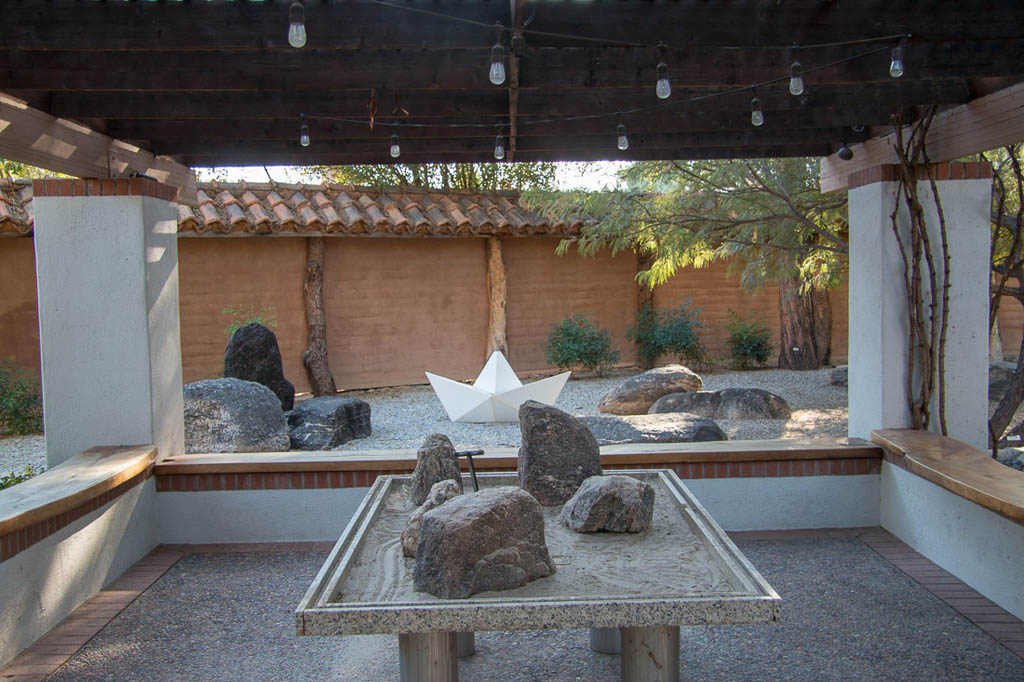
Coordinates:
980 125
34 137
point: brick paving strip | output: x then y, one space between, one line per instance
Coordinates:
55 648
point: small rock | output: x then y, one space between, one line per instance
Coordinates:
728 403
439 493
490 540
557 454
620 504
671 427
838 375
435 462
252 354
636 394
231 415
323 423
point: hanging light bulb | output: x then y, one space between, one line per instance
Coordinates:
756 115
796 79
845 153
297 25
497 72
396 150
662 88
623 141
499 147
896 67
304 133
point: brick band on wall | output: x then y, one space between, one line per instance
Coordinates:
73 187
953 170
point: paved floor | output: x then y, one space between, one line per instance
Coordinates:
856 606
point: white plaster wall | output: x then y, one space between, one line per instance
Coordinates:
978 546
43 584
317 515
790 503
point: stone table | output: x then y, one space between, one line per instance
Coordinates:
683 571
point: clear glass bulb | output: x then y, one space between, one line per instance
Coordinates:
756 115
499 148
623 141
663 88
896 67
796 79
297 25
396 151
497 72
304 135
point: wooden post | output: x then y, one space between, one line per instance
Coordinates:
497 336
315 358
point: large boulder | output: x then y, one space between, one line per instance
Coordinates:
439 494
435 461
636 394
1000 374
619 504
557 453
253 355
490 540
728 403
672 427
323 423
231 415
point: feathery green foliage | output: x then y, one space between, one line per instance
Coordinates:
443 176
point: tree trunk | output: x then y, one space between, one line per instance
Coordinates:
315 357
805 327
644 296
497 334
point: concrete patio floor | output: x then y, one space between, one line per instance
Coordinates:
857 605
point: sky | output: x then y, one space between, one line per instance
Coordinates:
569 175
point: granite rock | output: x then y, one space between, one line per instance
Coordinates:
323 423
435 461
440 493
636 394
557 454
839 375
1000 374
231 415
728 403
252 354
671 427
490 540
620 504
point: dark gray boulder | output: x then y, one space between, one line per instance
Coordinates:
557 454
323 423
636 394
231 415
439 493
490 540
253 355
619 504
728 403
435 462
671 427
1000 374
839 376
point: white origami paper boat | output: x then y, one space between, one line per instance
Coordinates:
496 394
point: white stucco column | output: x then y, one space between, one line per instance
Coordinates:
878 300
110 345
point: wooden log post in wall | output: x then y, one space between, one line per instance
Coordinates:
315 358
497 333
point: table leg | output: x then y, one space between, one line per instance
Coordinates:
465 644
650 654
428 657
606 640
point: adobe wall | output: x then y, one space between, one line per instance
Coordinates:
19 321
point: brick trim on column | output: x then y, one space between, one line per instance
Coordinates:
953 170
106 187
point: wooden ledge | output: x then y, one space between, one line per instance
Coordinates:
505 458
71 484
957 467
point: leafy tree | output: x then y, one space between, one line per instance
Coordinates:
442 176
766 215
13 169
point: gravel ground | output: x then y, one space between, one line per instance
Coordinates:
18 452
847 615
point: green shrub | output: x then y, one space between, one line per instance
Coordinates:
576 340
15 477
21 408
667 331
749 341
241 316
